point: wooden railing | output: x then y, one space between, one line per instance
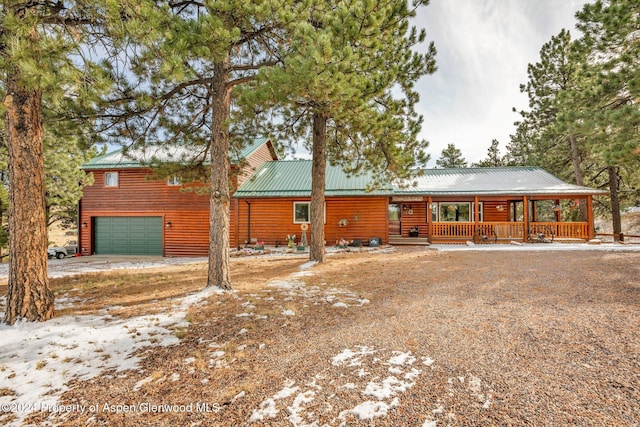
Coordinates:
453 230
506 230
563 230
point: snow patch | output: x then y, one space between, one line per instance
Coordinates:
39 359
369 409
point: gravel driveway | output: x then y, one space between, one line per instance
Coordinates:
416 337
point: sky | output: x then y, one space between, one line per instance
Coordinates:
484 47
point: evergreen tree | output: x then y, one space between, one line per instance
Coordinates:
555 144
451 157
334 89
44 71
494 159
185 60
609 94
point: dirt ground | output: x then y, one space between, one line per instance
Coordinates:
434 338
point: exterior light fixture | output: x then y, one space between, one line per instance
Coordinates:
84 224
500 208
168 224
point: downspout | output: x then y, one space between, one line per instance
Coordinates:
248 223
79 224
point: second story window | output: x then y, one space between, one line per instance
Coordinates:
111 179
173 181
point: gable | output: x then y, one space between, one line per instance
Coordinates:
153 155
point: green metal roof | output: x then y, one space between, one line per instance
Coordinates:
154 154
292 178
511 180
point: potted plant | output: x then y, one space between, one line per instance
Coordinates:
343 243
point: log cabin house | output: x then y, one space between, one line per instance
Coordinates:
440 206
127 211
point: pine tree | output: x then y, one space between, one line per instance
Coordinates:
555 143
334 89
451 157
494 159
609 93
37 42
186 60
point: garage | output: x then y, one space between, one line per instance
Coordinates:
128 235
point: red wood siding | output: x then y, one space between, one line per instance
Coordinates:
418 218
254 161
272 219
491 213
137 195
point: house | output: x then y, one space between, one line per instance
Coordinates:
275 202
128 211
440 206
508 203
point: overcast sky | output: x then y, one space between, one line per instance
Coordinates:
484 47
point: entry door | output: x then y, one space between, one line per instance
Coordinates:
395 219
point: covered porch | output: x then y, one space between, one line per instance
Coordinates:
491 205
436 220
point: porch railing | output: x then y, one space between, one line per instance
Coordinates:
564 230
452 230
506 230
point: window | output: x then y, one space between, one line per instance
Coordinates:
302 212
111 179
174 181
456 212
394 212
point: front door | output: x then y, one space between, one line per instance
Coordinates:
395 219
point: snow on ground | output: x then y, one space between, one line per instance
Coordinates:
388 375
99 263
39 359
381 395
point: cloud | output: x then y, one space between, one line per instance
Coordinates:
484 47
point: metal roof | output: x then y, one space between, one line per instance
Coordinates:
154 154
292 178
508 180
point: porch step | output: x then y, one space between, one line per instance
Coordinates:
401 240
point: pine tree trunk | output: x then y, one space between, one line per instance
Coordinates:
575 159
218 274
615 202
318 174
577 169
29 296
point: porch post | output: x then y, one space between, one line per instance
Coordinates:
429 218
476 214
525 215
591 232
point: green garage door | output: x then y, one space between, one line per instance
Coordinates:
128 235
